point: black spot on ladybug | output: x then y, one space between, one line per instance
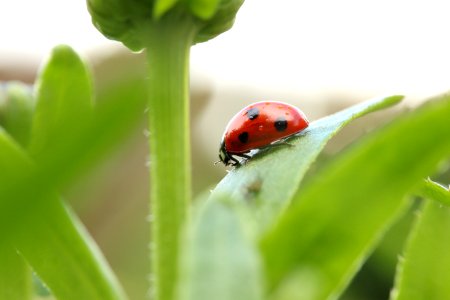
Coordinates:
280 124
253 113
243 137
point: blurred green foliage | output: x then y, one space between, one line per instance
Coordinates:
66 141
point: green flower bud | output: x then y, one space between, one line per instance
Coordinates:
128 20
221 21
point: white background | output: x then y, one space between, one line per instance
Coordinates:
372 47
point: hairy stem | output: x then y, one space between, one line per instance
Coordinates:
168 69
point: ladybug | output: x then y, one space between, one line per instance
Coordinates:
257 126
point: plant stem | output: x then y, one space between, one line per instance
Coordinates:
170 183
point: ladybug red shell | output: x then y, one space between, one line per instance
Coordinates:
257 126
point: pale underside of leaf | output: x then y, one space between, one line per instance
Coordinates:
219 261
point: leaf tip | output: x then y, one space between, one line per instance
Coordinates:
394 99
160 7
62 50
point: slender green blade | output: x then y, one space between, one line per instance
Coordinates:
424 272
16 111
14 163
119 110
51 239
269 180
434 191
15 275
219 261
64 103
342 212
64 256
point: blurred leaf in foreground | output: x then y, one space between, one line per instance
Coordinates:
15 275
50 237
16 111
64 103
120 108
424 272
342 212
60 250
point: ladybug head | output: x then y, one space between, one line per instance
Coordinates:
223 154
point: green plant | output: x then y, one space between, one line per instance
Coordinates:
62 138
267 231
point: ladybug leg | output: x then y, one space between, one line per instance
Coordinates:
235 161
243 155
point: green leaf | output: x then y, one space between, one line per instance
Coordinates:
424 272
341 213
14 163
16 110
64 103
15 275
434 191
119 110
219 261
64 256
114 119
51 239
269 180
204 9
160 7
